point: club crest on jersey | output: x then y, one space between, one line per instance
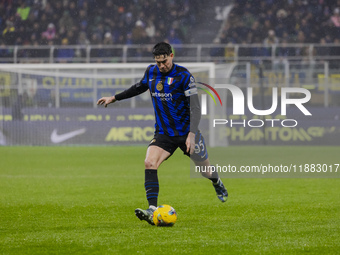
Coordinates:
159 86
170 80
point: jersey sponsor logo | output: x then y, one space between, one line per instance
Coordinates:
56 138
162 96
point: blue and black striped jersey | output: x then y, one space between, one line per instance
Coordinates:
170 102
174 98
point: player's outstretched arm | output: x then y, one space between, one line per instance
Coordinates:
106 101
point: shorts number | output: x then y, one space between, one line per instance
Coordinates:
199 147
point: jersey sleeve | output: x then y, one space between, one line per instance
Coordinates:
135 89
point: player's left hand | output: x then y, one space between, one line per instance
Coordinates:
190 143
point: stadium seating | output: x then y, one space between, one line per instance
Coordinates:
30 22
289 21
114 31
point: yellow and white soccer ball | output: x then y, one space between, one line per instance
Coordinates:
164 216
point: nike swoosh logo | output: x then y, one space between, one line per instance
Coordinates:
55 138
151 79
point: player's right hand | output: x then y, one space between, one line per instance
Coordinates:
190 143
106 101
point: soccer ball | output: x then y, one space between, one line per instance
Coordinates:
164 216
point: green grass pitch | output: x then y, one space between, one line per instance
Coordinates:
81 200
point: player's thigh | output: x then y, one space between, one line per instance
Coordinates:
155 156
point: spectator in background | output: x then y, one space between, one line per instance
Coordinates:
99 29
44 21
269 43
72 8
150 28
97 51
82 21
271 39
83 42
35 31
2 13
21 32
9 34
30 21
248 18
82 39
48 10
71 37
173 38
241 31
305 28
335 18
138 33
128 39
23 10
64 54
108 41
58 10
283 52
66 20
107 12
50 33
128 23
281 25
335 21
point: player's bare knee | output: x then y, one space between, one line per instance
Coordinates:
150 164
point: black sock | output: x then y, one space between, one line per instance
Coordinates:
151 186
214 176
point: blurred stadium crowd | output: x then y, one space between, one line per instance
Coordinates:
283 23
81 22
278 21
113 22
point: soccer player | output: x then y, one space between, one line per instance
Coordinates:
177 113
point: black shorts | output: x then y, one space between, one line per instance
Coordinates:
171 143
